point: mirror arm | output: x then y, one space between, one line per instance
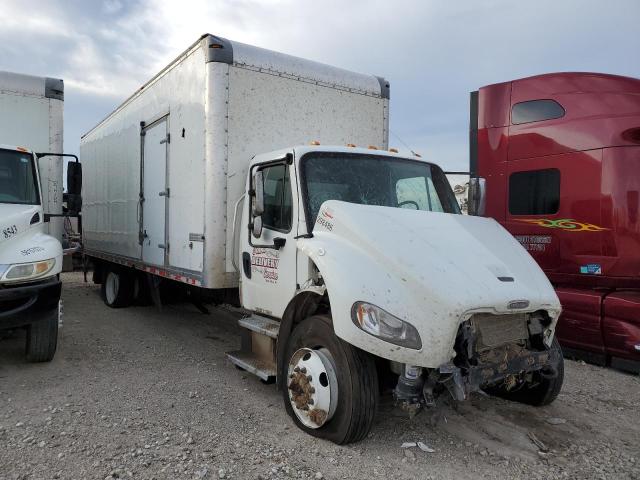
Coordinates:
51 154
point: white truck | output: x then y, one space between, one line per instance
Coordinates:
31 207
353 264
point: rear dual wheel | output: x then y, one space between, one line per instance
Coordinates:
118 287
330 388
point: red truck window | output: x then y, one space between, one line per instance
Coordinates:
534 192
536 111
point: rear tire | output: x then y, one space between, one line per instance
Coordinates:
542 391
42 338
117 288
354 373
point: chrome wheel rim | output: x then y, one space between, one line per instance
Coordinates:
111 287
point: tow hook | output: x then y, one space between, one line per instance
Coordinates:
408 392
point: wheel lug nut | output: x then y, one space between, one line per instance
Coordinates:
303 370
312 390
297 369
310 401
309 378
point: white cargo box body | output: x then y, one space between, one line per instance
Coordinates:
163 172
31 115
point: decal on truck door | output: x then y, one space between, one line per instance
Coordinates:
325 218
568 224
534 243
264 261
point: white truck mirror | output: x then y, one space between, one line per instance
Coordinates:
256 227
258 195
477 196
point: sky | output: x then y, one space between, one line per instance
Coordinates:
433 52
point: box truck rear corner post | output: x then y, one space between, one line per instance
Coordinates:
31 207
235 169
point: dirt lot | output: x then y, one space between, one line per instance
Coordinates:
138 393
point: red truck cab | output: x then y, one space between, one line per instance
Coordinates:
556 160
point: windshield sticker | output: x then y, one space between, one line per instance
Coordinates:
30 251
567 224
265 261
10 231
591 269
325 219
534 243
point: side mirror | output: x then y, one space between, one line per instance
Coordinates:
74 178
258 194
256 227
477 196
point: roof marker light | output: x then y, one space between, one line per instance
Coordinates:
393 150
352 145
372 147
314 142
417 155
22 149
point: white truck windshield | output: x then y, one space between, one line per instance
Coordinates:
375 180
18 182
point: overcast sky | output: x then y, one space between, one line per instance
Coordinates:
433 53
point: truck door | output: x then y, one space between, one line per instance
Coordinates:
154 192
268 262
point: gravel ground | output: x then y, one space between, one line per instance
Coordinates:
137 393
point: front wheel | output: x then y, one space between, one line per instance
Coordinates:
331 387
42 338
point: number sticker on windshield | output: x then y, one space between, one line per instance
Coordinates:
10 231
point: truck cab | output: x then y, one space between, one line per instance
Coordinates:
30 258
350 258
557 158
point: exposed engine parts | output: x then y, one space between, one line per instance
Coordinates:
506 351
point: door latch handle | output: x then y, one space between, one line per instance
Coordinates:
246 264
164 193
162 246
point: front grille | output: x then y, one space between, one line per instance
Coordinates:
495 330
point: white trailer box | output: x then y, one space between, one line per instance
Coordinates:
164 171
32 117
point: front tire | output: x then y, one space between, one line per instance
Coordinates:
117 288
42 338
336 396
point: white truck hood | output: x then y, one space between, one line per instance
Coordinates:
22 242
431 269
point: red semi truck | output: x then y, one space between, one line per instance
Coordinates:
556 160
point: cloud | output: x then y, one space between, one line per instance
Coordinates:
434 53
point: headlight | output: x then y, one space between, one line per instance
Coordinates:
385 326
28 271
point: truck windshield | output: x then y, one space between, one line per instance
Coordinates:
375 180
18 182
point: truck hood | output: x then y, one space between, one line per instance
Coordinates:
15 219
22 242
431 269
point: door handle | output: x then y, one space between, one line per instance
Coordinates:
164 193
246 264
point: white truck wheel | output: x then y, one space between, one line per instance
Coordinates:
339 401
117 288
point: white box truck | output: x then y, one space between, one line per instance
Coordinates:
31 207
352 263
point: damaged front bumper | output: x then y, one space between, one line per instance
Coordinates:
460 382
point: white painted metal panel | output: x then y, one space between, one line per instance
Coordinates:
267 112
111 158
32 120
155 184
